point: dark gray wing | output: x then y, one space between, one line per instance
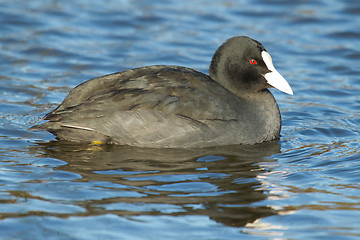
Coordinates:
166 89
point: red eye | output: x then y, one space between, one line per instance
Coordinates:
252 61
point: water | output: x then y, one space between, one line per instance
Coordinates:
304 186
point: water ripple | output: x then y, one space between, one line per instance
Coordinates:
304 186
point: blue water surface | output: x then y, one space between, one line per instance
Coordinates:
304 186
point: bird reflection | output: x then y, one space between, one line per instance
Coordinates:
218 182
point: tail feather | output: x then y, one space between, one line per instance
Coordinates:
72 133
45 126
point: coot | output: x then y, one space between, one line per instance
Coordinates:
177 107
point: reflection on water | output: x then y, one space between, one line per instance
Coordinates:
219 182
